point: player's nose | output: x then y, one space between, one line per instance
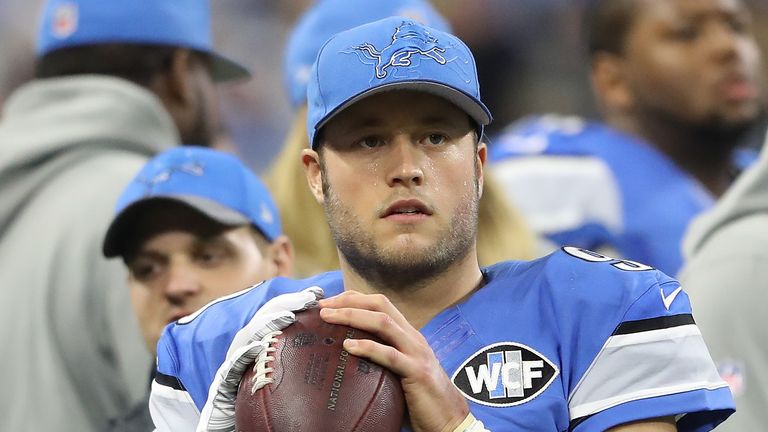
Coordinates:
406 163
723 42
182 282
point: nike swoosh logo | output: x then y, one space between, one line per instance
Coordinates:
670 298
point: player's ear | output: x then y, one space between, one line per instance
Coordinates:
481 158
610 82
311 161
280 253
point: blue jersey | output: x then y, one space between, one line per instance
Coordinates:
586 184
573 341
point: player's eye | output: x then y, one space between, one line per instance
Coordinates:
436 139
739 24
687 32
144 271
370 142
210 256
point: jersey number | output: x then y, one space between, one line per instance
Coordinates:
588 255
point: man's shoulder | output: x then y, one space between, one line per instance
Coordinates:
580 281
587 184
192 349
230 313
555 135
574 148
603 320
559 173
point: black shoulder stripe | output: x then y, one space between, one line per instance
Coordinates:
169 381
576 422
649 324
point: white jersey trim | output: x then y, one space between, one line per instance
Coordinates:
644 365
172 410
191 317
601 405
170 393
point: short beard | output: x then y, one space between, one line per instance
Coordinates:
398 271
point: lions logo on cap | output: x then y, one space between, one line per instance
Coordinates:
193 168
408 40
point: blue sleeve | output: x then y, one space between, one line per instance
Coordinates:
635 351
191 350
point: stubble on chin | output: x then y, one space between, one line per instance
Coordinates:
408 265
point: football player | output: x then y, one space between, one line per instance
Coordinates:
574 341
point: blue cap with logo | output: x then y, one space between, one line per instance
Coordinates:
395 53
214 183
179 23
326 18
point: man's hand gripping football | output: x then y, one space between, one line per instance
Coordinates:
434 403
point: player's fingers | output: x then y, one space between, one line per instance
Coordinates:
377 323
371 302
339 298
383 355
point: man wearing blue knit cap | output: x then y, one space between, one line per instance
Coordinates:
117 81
574 341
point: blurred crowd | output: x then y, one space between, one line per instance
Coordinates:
530 58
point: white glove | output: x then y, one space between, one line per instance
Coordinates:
250 342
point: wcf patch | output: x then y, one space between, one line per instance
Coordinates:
505 374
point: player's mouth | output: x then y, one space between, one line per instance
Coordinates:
738 87
406 211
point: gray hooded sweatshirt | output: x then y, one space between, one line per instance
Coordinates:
726 277
72 355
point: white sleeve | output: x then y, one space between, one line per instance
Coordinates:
172 409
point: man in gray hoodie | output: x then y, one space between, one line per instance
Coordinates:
726 276
114 86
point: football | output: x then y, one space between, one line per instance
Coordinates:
313 384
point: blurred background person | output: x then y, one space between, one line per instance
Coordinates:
726 276
194 225
677 82
502 233
113 86
530 58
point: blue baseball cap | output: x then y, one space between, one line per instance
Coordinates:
179 23
394 53
326 18
214 183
